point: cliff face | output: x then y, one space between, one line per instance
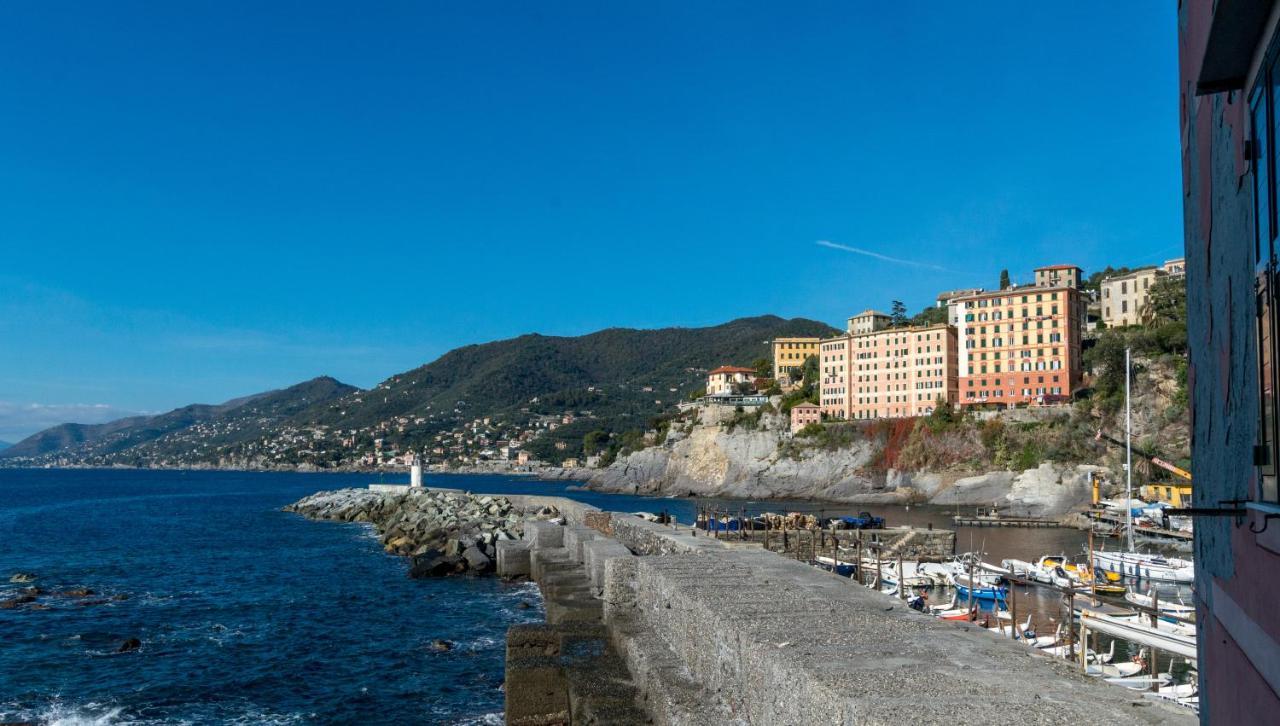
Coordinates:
711 461
762 463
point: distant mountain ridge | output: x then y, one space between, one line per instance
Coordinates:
4 445
124 434
622 376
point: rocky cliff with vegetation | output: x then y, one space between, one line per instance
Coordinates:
1029 461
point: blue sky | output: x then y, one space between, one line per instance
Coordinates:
202 200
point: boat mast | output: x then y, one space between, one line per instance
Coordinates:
1128 456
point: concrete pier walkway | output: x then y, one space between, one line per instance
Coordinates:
695 630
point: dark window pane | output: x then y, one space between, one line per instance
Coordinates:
1266 381
1261 185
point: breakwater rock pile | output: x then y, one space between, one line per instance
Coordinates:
444 533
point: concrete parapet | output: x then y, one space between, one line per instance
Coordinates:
596 554
650 538
513 557
543 535
574 537
781 642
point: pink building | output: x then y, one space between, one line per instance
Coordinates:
804 414
1229 104
888 373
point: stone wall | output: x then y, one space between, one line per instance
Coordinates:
714 632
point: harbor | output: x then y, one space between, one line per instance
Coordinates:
1118 615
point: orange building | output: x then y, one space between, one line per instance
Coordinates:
1019 345
889 372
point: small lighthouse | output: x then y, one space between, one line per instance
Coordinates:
415 473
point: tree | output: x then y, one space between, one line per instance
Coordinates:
594 442
1168 302
931 315
764 367
809 370
897 314
1004 279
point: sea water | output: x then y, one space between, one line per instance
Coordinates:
245 614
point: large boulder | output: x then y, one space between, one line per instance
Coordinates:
476 559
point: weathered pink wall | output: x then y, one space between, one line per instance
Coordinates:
1237 573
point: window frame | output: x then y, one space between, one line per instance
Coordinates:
1262 165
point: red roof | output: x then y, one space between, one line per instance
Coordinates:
1058 267
731 369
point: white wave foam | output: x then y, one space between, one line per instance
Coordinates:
58 713
488 719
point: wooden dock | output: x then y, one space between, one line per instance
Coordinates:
1118 521
962 520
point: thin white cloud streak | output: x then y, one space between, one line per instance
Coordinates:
878 256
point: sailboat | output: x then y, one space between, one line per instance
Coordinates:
1128 563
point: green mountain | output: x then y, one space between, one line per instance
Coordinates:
193 424
610 372
615 380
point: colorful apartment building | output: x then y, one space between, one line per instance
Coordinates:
887 372
1020 345
789 355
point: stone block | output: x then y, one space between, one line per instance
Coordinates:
541 560
513 558
596 553
574 537
544 535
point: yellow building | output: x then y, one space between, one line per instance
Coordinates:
789 355
1177 493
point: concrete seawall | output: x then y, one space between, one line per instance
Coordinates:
648 622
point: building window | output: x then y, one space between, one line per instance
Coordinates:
1263 166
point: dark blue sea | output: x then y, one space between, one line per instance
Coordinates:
245 614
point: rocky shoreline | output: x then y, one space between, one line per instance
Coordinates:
441 532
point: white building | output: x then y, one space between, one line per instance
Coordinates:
721 381
1124 297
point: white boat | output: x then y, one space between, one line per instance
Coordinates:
1113 670
1176 608
1144 683
1091 657
1143 566
1049 570
1173 627
1018 568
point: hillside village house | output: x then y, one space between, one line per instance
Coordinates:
1177 268
1059 275
1229 89
789 355
1125 297
723 380
867 321
803 414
